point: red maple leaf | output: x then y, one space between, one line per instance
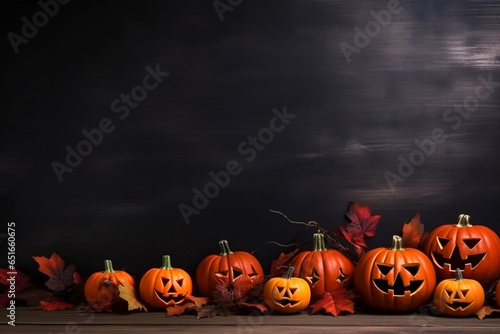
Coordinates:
255 306
361 224
54 305
281 264
22 280
60 278
413 232
335 302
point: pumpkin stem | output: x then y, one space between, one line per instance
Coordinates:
108 267
319 242
289 272
463 221
397 243
224 248
459 275
165 262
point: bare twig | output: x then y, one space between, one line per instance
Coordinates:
282 245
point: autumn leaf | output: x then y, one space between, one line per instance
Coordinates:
207 311
54 305
413 232
179 309
198 301
335 302
60 278
281 264
259 307
361 224
22 280
487 310
127 292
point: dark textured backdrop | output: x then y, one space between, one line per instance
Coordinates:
353 122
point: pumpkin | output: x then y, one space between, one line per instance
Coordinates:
459 297
101 287
240 269
325 270
165 286
287 294
394 279
474 249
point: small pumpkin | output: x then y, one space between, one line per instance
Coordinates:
101 287
325 270
474 249
394 279
287 294
165 286
459 297
240 268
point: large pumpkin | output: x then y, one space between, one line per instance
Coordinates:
394 279
287 294
239 268
474 249
323 269
165 286
101 287
459 297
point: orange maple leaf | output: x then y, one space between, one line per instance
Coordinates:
179 309
60 278
335 302
128 293
413 232
281 264
54 305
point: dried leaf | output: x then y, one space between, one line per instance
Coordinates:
487 310
180 309
207 311
54 305
335 302
60 278
259 307
198 301
281 264
127 292
32 297
413 232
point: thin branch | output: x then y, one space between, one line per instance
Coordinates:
311 223
282 245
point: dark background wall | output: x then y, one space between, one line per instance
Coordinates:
353 122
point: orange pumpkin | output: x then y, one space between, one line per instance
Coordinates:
165 286
323 269
238 268
101 287
394 279
474 249
459 297
288 294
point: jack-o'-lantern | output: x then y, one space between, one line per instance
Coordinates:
165 286
459 297
240 268
326 270
288 294
101 288
474 249
394 279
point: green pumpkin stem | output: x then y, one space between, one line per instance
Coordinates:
319 242
289 272
463 221
397 243
459 275
108 267
224 248
165 262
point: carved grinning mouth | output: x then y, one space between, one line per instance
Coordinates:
285 302
174 297
457 305
398 288
455 260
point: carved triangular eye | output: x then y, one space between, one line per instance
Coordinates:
280 289
384 268
292 291
471 243
165 281
222 273
412 268
464 292
253 273
236 273
180 281
443 241
448 292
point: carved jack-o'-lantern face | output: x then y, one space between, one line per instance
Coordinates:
165 286
288 294
324 269
472 249
459 297
394 279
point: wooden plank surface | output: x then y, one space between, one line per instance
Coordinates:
72 321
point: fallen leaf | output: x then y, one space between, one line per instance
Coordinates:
487 310
127 292
60 278
361 224
198 301
54 305
259 307
335 302
413 232
180 309
281 264
32 297
207 311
